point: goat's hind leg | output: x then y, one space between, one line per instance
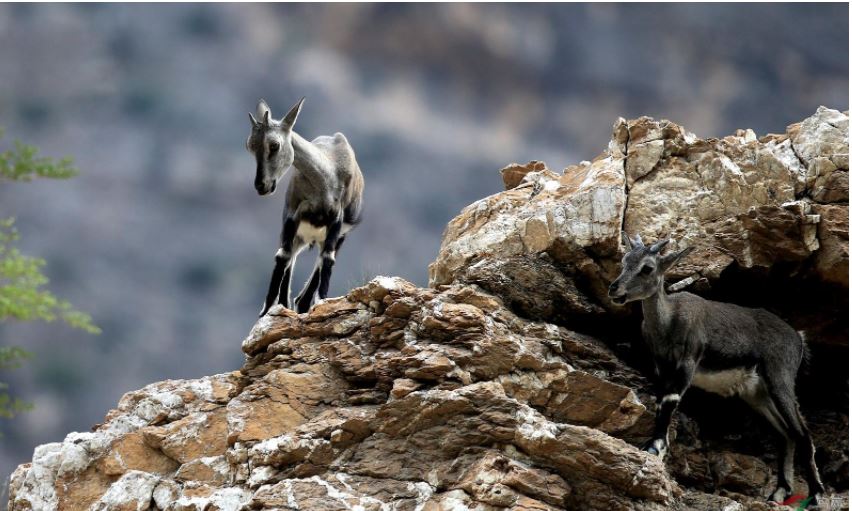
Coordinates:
306 296
284 290
759 399
328 254
784 397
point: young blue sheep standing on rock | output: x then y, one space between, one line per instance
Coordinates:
324 199
721 348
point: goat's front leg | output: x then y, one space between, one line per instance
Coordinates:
283 258
672 382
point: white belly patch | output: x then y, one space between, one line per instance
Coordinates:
310 233
728 382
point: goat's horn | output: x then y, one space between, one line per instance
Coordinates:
656 247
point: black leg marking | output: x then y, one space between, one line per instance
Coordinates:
673 380
284 291
325 275
340 241
306 296
283 259
281 264
329 247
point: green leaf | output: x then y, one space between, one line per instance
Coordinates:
23 296
11 357
23 163
22 293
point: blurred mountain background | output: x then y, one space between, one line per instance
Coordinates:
162 237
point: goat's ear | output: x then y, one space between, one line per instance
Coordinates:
290 119
262 111
669 260
254 122
658 246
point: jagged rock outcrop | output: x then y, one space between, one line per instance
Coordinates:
391 396
778 205
479 392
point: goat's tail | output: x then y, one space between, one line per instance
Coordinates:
805 365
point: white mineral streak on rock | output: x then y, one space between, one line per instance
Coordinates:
134 490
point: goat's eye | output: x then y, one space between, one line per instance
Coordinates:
646 270
273 147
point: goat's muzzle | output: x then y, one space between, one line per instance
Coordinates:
619 298
263 189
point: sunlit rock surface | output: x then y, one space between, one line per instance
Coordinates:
769 208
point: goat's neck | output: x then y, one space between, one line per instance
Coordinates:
657 309
309 160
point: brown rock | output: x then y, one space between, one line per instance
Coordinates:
194 436
832 261
548 213
403 387
515 173
259 419
130 452
740 473
213 470
81 490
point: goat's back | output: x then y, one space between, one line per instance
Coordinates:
336 184
345 167
739 336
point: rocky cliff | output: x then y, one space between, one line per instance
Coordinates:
511 382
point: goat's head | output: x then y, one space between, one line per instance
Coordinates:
271 143
642 269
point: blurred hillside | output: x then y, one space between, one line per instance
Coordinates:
162 237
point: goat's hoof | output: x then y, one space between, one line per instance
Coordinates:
816 500
656 447
779 495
